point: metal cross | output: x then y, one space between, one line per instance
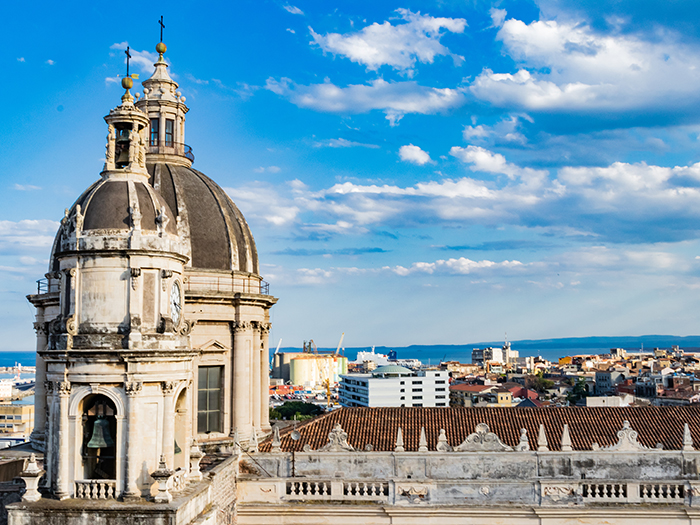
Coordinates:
162 26
128 56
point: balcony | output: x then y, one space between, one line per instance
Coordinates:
171 148
226 285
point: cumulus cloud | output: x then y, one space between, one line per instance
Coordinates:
21 59
567 66
414 155
26 187
268 169
398 46
622 202
395 99
461 266
50 62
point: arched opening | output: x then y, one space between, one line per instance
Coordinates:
181 434
98 449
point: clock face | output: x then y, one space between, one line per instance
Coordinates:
175 304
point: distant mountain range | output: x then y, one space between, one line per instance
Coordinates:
548 348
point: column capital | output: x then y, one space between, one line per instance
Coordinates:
48 385
63 388
133 387
168 386
41 327
242 326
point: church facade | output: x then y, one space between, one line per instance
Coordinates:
153 321
152 387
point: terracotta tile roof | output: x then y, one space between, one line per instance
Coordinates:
471 388
378 426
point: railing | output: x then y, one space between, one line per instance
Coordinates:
604 491
337 490
96 489
46 286
373 491
172 148
661 492
309 489
226 285
178 480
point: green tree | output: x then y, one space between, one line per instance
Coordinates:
579 392
296 410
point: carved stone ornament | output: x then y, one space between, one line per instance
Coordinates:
187 326
71 326
167 386
48 386
558 492
133 387
542 445
135 274
399 441
276 441
414 493
241 326
626 440
162 221
79 219
337 440
524 444
442 444
687 438
63 388
41 328
483 440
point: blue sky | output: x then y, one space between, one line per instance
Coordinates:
413 172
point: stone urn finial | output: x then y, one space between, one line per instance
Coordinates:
31 476
162 476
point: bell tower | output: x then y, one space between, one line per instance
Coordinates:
114 358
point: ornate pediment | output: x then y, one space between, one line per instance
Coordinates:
213 345
626 440
337 440
483 440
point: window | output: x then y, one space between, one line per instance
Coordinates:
209 399
440 397
441 382
155 131
417 397
402 398
417 390
417 404
417 382
402 383
402 390
169 132
439 404
439 389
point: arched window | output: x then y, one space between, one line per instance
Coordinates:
99 438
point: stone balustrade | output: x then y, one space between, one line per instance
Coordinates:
178 481
474 492
96 488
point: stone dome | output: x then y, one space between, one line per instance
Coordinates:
214 228
105 206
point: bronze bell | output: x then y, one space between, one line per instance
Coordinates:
122 148
100 434
177 448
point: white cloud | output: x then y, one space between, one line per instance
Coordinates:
414 155
291 31
112 80
292 9
498 16
486 161
21 59
398 46
568 66
461 266
395 99
26 187
143 60
269 169
50 62
28 232
343 143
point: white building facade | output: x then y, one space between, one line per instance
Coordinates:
395 386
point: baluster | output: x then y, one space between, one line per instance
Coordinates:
317 491
364 489
372 490
324 489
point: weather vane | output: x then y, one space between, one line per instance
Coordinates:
162 26
128 56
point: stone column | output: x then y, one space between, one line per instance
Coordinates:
265 377
38 437
168 421
255 379
50 440
63 481
132 456
242 345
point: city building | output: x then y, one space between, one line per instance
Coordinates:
308 369
395 386
17 420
